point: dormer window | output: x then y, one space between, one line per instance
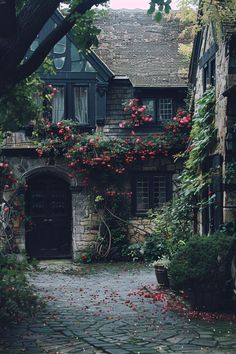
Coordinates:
77 79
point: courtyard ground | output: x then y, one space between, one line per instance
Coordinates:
98 309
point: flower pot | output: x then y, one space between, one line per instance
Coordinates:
162 276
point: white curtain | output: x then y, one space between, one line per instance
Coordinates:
81 104
58 105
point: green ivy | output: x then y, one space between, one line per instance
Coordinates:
174 222
202 142
230 171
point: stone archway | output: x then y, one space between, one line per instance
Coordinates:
48 213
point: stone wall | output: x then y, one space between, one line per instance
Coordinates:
139 228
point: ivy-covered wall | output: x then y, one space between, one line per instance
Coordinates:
220 51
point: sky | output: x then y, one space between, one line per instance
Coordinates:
134 4
129 4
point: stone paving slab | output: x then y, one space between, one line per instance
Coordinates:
89 311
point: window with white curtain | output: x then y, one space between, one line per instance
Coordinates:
58 104
81 104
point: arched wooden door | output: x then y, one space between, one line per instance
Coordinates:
48 212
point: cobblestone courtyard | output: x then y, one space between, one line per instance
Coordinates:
89 311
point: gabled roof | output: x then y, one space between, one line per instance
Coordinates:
132 44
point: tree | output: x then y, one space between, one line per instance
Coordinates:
22 20
18 29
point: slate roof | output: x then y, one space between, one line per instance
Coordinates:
132 44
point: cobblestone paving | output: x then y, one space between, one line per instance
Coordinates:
89 311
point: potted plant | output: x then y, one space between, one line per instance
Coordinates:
201 267
161 266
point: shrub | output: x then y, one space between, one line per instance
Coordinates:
154 247
173 226
136 251
204 261
17 298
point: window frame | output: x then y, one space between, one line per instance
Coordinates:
64 87
69 111
209 73
88 100
156 118
150 175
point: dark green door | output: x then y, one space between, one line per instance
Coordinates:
48 212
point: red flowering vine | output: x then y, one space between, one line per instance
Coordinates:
136 115
7 177
87 152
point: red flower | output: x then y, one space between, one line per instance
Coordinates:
84 259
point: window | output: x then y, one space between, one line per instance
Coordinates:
59 53
209 74
165 108
71 102
151 191
78 61
58 104
160 109
81 104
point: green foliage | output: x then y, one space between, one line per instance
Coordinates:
158 8
173 226
47 67
114 211
217 13
18 107
202 141
19 5
88 255
154 247
85 31
174 222
203 134
186 51
203 261
136 251
230 172
17 298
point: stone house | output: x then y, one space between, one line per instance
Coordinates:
214 63
136 58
